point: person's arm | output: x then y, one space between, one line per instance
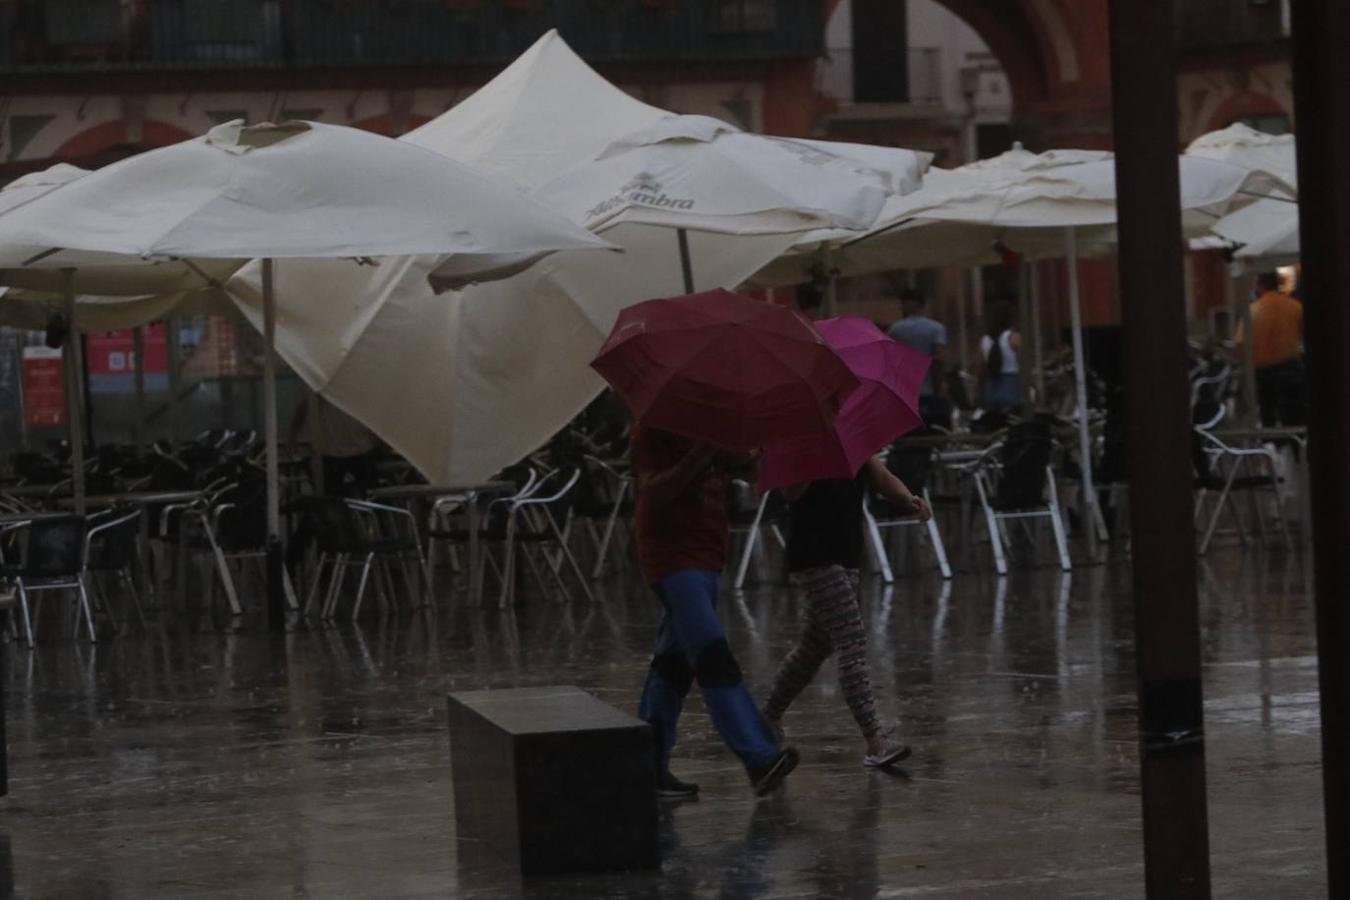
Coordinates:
894 491
668 484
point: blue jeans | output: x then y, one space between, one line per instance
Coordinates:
691 645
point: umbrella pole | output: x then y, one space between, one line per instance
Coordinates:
1037 347
171 363
276 610
138 353
686 266
1088 508
74 394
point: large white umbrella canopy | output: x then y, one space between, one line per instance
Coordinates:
1054 204
35 184
468 382
284 191
1265 232
292 190
1020 201
701 174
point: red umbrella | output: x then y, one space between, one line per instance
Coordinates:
884 408
724 368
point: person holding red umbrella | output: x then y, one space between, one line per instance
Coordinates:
709 378
682 532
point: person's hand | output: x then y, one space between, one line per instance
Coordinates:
919 507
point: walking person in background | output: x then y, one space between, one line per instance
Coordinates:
1277 353
682 533
929 337
824 552
999 347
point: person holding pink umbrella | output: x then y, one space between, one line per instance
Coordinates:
825 479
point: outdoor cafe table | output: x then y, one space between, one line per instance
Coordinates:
419 494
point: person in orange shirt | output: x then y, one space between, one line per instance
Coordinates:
1277 353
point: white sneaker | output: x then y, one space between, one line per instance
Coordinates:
892 751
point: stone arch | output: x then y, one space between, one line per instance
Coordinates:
1014 41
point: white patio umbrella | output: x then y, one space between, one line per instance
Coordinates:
1048 205
1264 233
284 191
697 173
471 381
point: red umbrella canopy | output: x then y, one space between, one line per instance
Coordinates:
724 368
883 409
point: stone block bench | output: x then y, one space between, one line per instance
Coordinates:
554 780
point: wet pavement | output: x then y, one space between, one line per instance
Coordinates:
197 762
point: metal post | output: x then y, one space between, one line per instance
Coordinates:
138 351
1322 105
1037 342
686 265
71 357
1158 421
1088 504
276 601
173 363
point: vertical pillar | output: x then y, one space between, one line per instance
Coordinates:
1322 107
1158 419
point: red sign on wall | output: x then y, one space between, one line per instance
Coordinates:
44 388
114 353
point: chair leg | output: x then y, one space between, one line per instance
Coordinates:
287 588
27 617
991 521
507 594
878 547
130 585
335 586
1057 523
316 578
361 585
560 534
603 550
223 567
939 548
88 613
751 538
1225 497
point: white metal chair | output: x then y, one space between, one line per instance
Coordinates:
526 527
913 466
1016 482
52 557
1248 470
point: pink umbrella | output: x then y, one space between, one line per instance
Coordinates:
881 410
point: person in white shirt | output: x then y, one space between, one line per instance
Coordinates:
1002 375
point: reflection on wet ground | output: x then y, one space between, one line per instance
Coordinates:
202 763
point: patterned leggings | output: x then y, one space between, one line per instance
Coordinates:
833 624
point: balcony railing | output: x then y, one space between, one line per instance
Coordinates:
107 35
1218 24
